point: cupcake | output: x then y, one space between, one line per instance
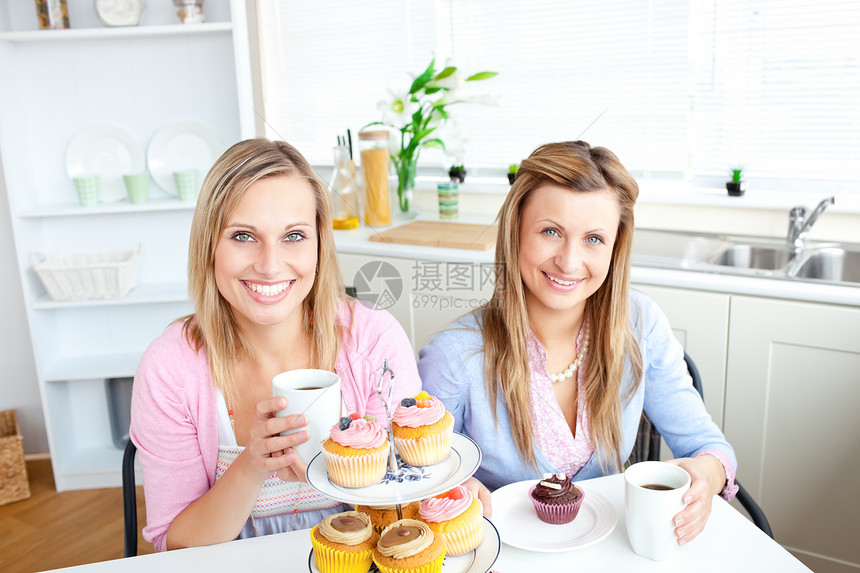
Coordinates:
456 516
422 430
409 546
344 542
356 452
383 516
556 499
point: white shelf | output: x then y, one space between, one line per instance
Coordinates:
92 367
73 34
150 293
120 207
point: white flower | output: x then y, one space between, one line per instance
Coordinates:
397 110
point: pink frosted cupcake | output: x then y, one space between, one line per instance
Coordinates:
422 430
556 499
456 515
356 452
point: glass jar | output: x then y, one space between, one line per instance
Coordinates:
344 191
52 14
375 162
190 11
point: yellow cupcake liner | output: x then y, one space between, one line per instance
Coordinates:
330 560
427 450
465 539
434 566
356 471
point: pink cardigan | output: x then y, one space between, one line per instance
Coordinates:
174 421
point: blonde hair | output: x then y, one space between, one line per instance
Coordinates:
505 327
213 325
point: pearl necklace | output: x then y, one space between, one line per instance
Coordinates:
574 366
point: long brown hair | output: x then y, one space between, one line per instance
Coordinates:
581 168
213 326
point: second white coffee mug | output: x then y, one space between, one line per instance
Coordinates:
653 495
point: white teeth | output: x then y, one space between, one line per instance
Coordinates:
267 290
561 282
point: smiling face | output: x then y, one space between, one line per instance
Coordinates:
566 242
266 255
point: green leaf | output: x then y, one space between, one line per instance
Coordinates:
446 72
422 80
435 142
432 90
482 76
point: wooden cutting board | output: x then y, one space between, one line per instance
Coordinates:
441 234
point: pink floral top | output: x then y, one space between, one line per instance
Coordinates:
552 434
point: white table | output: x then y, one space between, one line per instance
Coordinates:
730 543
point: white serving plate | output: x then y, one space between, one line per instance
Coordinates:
180 146
109 152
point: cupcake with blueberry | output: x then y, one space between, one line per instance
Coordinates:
409 546
422 430
356 451
556 499
344 542
456 515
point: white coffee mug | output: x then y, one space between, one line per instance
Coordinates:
315 393
653 495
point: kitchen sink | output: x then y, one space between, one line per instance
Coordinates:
834 263
659 248
830 264
764 257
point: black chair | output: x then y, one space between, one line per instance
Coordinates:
129 501
647 448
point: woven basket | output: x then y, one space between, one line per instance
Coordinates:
88 276
13 472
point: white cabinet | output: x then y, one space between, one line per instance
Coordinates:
57 83
792 401
424 296
700 321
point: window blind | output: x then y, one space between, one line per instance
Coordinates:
686 88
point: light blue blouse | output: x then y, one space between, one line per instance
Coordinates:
452 368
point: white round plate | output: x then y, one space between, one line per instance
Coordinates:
110 153
465 458
180 146
519 525
480 560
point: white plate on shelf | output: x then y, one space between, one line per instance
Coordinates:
426 481
110 153
519 525
480 560
180 146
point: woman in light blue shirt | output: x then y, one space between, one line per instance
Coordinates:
553 373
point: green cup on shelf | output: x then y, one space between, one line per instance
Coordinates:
137 186
187 184
87 187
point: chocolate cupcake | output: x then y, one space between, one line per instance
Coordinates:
556 499
344 542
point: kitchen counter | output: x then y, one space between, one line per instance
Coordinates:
357 241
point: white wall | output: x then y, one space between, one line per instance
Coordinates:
19 389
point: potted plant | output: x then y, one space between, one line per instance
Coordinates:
737 186
512 172
457 172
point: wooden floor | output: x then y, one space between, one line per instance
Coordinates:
52 530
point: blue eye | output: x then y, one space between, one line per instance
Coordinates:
294 237
594 240
550 232
242 236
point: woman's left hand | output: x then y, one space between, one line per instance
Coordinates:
708 478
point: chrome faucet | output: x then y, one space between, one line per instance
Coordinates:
799 224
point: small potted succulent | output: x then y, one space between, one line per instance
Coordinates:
737 186
457 172
512 172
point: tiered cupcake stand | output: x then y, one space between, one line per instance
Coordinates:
404 484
